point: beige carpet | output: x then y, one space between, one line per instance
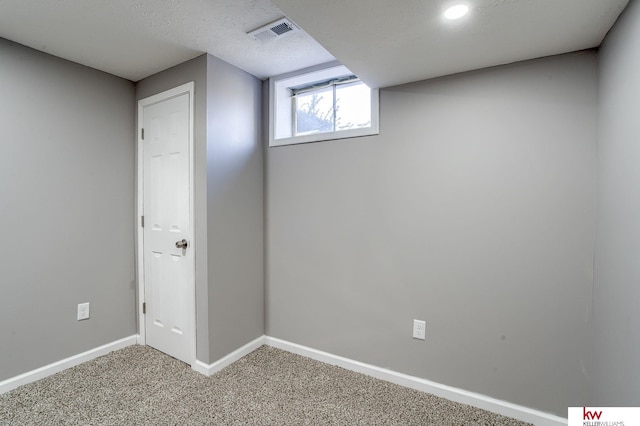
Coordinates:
140 386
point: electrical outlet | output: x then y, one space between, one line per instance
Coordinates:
419 329
83 311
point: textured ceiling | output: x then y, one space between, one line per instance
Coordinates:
384 42
134 39
391 42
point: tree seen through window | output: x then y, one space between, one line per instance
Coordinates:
333 108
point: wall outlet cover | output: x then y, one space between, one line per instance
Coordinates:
83 311
419 329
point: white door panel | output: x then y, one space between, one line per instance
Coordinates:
168 273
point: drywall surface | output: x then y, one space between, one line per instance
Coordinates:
228 200
234 208
66 208
194 70
616 342
474 209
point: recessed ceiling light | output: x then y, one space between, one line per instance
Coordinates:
456 12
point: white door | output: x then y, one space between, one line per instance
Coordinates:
167 250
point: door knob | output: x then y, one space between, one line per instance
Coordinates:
182 244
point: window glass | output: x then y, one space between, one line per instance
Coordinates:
314 111
353 106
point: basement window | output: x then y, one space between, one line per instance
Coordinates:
318 104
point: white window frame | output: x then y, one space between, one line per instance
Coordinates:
280 107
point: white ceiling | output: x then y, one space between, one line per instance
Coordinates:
137 38
384 42
392 42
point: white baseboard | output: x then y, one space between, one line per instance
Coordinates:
505 408
56 367
211 369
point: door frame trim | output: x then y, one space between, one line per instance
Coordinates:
142 103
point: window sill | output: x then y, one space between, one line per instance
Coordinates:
326 136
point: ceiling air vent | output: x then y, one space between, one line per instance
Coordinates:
274 30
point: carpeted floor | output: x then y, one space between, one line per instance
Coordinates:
141 386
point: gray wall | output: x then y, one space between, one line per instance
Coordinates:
474 209
66 208
234 208
194 70
229 201
616 342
